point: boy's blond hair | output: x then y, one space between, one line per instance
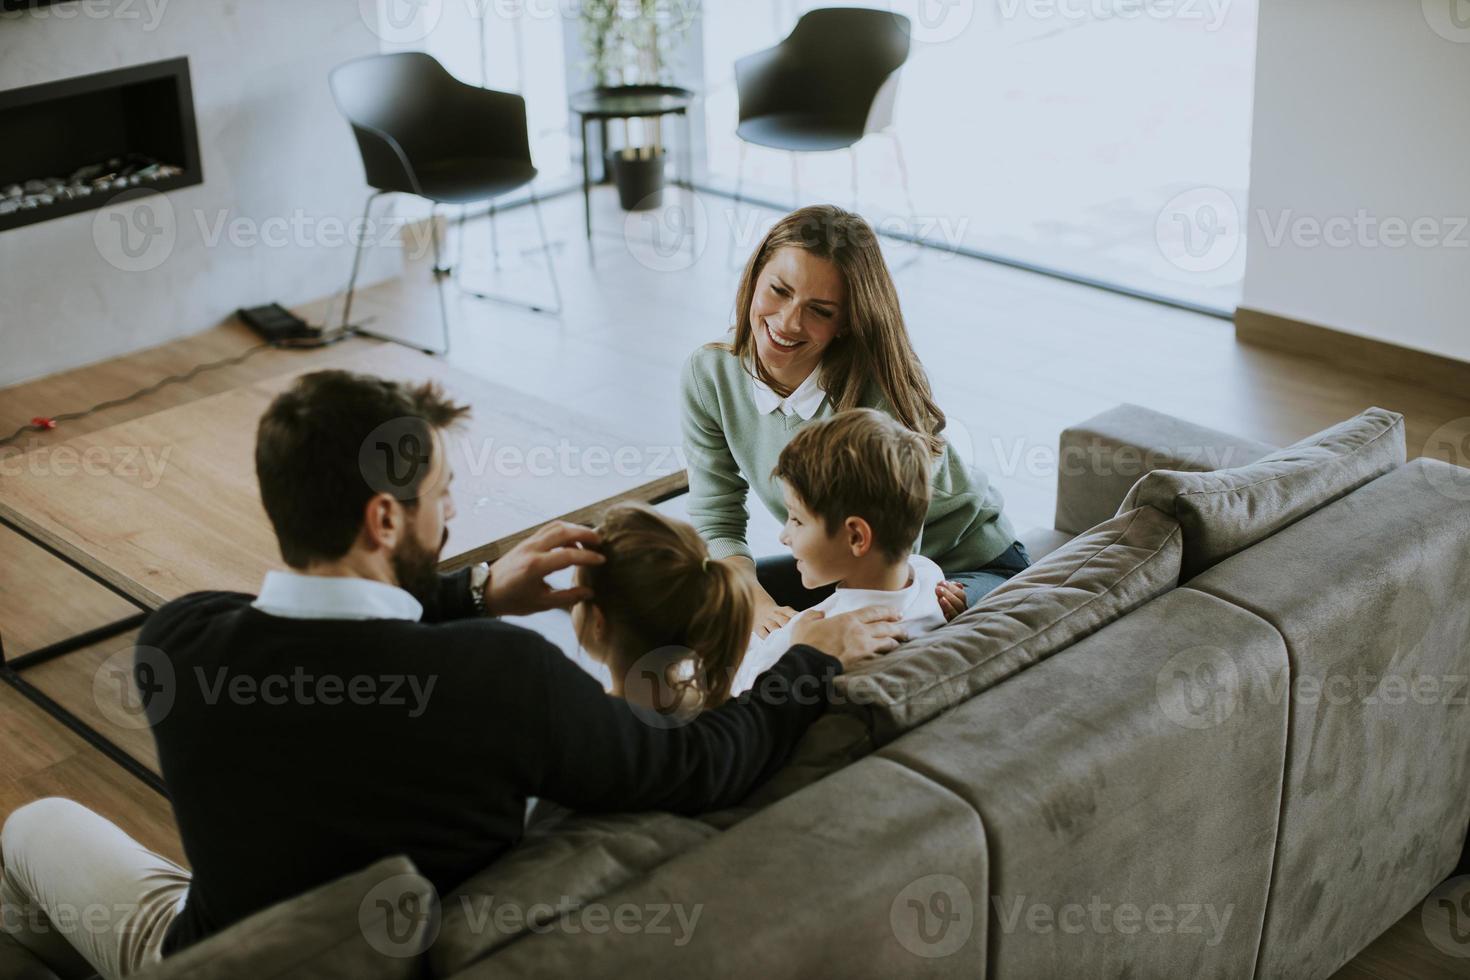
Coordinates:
861 463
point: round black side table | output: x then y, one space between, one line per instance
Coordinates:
630 102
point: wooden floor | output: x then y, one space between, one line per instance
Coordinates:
1014 358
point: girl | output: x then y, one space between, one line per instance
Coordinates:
670 624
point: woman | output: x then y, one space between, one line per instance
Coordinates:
818 330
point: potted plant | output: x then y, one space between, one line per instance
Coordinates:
631 44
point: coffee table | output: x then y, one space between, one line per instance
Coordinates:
166 504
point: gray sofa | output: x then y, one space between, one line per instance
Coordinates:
1217 730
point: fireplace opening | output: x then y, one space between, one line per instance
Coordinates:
75 144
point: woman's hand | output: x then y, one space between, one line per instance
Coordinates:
769 617
951 599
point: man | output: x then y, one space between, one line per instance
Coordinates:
363 705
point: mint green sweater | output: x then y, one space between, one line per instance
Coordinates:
732 448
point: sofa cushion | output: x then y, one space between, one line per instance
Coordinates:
558 867
1072 592
373 924
1226 511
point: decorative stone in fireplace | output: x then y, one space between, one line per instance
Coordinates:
74 144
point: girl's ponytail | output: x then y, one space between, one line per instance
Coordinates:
660 589
719 630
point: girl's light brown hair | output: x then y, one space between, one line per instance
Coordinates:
659 588
874 349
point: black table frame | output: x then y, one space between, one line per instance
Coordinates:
11 668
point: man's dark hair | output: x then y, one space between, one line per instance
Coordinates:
332 441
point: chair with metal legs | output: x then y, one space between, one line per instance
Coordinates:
422 131
829 83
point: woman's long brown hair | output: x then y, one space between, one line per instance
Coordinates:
660 591
875 347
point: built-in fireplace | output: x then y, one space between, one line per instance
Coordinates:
75 144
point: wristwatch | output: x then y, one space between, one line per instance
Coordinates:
479 578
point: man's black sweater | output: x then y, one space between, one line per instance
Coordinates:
297 751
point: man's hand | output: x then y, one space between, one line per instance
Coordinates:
517 585
851 637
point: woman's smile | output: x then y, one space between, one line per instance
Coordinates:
783 343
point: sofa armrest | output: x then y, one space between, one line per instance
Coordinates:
1100 459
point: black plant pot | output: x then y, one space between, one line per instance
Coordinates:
640 180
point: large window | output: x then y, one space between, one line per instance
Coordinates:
1108 139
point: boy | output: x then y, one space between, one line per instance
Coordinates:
856 487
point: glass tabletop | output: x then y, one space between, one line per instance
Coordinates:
622 101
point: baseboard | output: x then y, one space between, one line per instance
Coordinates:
1362 354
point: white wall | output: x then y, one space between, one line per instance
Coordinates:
273 149
1360 117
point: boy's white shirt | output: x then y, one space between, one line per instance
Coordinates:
917 605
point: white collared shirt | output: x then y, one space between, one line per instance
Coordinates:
804 401
292 595
917 605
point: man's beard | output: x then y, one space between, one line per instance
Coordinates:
417 568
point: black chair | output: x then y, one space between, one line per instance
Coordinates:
422 131
831 82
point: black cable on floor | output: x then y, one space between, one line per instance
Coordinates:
42 423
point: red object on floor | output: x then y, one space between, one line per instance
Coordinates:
41 422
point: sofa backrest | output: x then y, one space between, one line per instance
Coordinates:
1076 590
